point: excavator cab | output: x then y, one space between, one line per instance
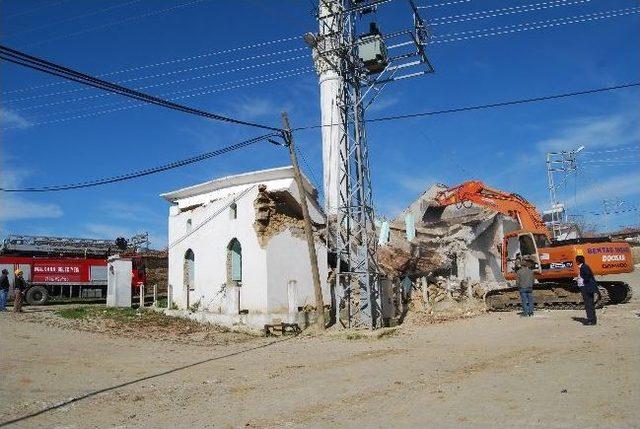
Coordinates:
518 246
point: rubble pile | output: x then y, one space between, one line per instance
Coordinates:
452 260
439 299
396 261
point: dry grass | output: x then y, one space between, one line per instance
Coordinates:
143 324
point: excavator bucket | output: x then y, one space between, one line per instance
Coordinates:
433 214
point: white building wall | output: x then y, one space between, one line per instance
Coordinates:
209 245
287 261
264 290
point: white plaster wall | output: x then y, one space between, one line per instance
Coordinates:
485 245
288 259
468 266
119 283
209 245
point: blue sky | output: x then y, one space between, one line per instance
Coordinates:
56 133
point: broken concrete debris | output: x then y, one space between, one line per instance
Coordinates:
452 258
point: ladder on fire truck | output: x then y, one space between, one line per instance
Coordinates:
56 245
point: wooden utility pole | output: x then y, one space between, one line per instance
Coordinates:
313 256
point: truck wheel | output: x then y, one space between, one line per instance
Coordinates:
37 295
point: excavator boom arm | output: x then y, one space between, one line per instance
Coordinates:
509 204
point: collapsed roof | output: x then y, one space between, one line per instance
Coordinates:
442 239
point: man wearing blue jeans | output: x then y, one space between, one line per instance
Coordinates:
4 290
524 281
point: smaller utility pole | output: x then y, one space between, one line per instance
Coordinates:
559 162
313 257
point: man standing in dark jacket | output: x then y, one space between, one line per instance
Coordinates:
588 287
4 290
19 286
524 281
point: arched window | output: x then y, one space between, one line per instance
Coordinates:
189 226
233 211
234 261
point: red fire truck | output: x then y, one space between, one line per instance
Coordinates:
62 269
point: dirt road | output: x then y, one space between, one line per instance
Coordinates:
493 371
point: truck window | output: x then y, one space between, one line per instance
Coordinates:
527 246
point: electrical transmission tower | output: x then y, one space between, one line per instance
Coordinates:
559 162
355 62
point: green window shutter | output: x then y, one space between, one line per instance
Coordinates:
236 262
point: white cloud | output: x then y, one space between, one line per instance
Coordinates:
385 102
594 132
130 211
15 207
413 183
254 108
623 185
11 119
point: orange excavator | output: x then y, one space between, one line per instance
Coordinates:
554 261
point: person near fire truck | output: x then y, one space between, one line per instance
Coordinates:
19 286
4 289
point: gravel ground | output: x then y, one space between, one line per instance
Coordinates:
495 370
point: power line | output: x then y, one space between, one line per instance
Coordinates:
145 172
449 3
609 213
528 26
173 61
507 103
155 85
629 161
484 14
311 171
619 149
206 66
39 64
110 24
291 38
612 159
44 6
486 106
491 32
224 86
72 18
126 106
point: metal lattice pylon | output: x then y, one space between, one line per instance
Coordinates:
354 231
351 219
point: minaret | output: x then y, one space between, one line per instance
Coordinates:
329 39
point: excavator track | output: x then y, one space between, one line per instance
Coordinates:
561 296
619 292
